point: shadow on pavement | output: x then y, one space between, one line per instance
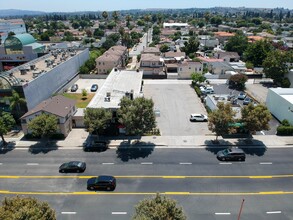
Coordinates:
43 147
249 146
9 147
133 151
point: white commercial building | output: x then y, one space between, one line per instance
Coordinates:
280 103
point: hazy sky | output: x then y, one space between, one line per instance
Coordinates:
110 5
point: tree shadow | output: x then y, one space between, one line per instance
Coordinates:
249 146
43 147
7 148
134 150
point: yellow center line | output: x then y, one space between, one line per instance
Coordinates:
150 193
142 176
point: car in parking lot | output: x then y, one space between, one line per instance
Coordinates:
236 154
247 100
96 146
198 117
74 88
94 88
72 166
102 183
241 96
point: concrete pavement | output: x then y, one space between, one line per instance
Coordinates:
78 137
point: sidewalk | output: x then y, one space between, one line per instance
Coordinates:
78 137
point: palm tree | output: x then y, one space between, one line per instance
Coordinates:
128 18
16 102
115 15
105 15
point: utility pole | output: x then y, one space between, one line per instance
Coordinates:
241 209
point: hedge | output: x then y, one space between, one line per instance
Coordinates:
285 130
197 90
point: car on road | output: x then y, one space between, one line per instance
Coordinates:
198 117
94 88
96 146
74 88
102 183
235 154
72 166
247 100
241 96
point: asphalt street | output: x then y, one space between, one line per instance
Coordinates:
205 187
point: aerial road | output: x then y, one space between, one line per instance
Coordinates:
205 187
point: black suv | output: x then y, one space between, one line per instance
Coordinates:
231 154
102 183
96 146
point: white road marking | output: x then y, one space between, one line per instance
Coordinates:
107 163
222 213
274 212
265 163
119 213
225 163
32 164
185 163
68 213
1 163
147 163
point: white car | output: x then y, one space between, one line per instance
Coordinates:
198 117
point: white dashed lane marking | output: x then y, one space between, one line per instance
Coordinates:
185 163
222 213
274 212
107 163
68 213
32 164
119 213
265 163
147 163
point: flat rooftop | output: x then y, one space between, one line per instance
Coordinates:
31 70
117 84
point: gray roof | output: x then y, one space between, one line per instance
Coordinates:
56 105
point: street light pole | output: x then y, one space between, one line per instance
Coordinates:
240 209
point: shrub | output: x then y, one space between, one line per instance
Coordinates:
197 90
285 130
285 122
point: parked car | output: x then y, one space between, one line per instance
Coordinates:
72 166
74 88
102 183
198 117
241 96
209 90
96 146
94 88
247 100
231 154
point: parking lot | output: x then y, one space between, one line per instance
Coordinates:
86 84
174 102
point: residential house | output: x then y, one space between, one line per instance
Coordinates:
61 107
223 36
152 65
207 42
187 67
152 50
116 56
227 56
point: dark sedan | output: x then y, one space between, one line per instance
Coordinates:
102 183
96 146
72 166
94 88
74 88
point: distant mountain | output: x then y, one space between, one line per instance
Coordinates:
18 13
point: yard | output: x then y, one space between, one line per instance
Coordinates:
81 101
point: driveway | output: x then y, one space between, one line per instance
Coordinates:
174 101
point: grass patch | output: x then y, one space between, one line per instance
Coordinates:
81 101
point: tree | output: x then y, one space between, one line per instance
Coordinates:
220 120
105 15
159 207
97 119
255 118
128 18
238 81
7 122
99 32
84 93
197 78
137 115
43 125
164 48
275 65
238 43
191 46
257 52
26 208
115 16
16 103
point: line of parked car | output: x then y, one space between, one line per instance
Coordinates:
74 88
